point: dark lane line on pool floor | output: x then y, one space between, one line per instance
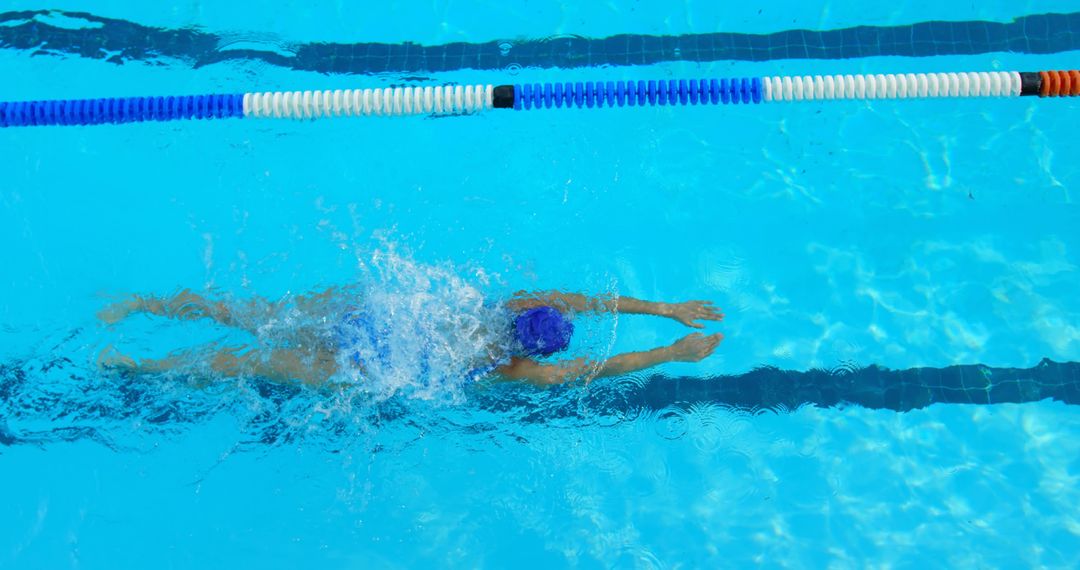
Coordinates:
119 41
58 400
770 388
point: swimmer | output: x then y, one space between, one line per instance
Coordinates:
540 326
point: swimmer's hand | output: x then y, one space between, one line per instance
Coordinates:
693 347
690 312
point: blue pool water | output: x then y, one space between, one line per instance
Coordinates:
897 385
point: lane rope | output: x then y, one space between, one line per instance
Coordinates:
470 99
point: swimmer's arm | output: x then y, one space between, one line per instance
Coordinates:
691 348
541 374
686 313
565 302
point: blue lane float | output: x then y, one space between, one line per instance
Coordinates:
633 93
467 99
119 110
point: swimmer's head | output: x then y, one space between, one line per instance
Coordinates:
543 331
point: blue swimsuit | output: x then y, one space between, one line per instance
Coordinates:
357 329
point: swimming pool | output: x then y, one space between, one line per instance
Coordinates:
898 382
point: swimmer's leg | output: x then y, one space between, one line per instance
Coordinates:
110 359
315 303
188 306
280 365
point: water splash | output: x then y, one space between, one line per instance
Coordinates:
400 328
430 330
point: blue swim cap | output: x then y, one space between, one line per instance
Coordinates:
543 331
